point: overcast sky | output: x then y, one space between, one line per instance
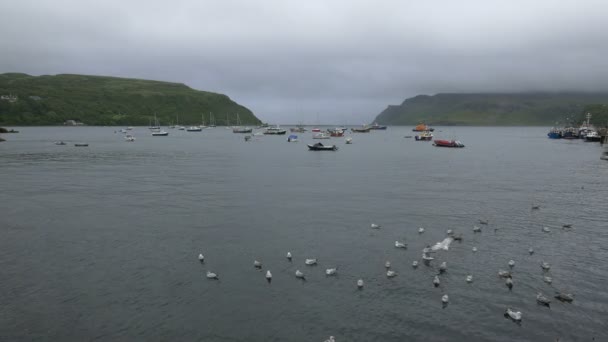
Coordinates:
316 61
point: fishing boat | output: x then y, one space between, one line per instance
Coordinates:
321 135
424 136
448 143
363 129
554 133
321 147
276 130
376 126
592 136
422 127
336 132
292 138
569 133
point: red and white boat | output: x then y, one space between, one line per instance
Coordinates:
316 130
448 143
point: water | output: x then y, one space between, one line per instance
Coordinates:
101 242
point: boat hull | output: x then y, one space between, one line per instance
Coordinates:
448 143
319 147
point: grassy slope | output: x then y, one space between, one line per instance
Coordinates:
99 100
492 109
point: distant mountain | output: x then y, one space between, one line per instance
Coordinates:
100 100
493 109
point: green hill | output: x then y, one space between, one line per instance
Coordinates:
99 100
516 109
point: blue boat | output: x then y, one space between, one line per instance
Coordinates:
292 138
554 133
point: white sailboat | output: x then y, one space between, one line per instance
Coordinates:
211 120
239 128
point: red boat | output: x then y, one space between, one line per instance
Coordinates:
448 143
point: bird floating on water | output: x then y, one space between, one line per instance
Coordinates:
547 279
400 244
511 263
531 251
415 264
443 267
469 278
545 266
257 264
564 297
504 274
387 264
546 229
514 315
211 275
331 271
360 283
201 258
299 274
268 276
375 226
427 258
541 299
330 339
445 299
449 232
288 256
390 273
509 282
420 230
474 249
436 281
310 262
476 229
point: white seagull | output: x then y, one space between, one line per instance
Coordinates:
299 274
474 249
375 226
445 299
547 280
387 264
390 273
310 262
415 264
420 230
511 263
436 281
476 229
469 278
545 266
514 315
443 267
257 264
360 283
546 229
201 258
289 256
268 276
331 271
509 283
531 251
400 244
211 275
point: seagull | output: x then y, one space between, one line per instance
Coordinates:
504 274
390 273
511 263
476 229
375 226
330 339
474 249
469 278
387 264
564 297
331 271
289 256
547 279
449 232
427 258
546 229
211 275
268 276
514 315
483 221
300 274
445 299
310 262
436 281
400 244
545 266
257 264
420 230
360 283
531 251
443 267
509 282
415 264
201 258
540 299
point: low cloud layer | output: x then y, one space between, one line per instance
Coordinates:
316 61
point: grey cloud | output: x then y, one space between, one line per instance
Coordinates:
340 61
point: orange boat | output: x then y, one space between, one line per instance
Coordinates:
422 127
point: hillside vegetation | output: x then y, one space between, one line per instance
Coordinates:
100 100
496 109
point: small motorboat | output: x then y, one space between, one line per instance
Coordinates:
130 138
81 145
448 143
160 133
349 140
364 129
376 126
321 147
59 143
292 138
194 129
321 135
424 136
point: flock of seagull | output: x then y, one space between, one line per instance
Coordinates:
427 258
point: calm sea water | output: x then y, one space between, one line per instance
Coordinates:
101 242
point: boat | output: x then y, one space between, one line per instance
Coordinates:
238 128
276 130
321 147
298 129
81 144
569 133
59 143
554 133
336 132
448 143
160 133
156 125
422 127
181 128
194 129
321 135
129 128
349 140
211 120
376 126
129 138
424 136
593 136
364 129
292 138
604 155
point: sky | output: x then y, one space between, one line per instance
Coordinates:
315 61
